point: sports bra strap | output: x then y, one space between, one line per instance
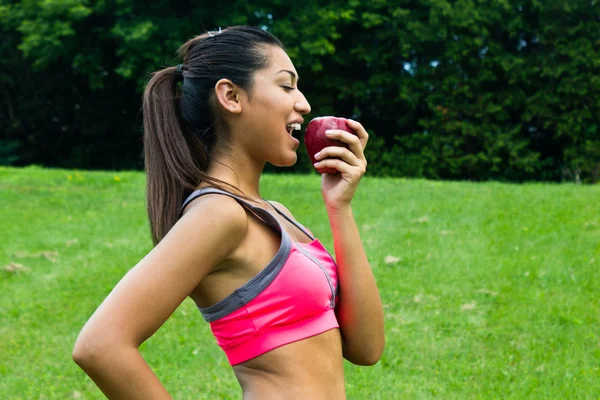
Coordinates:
260 212
296 223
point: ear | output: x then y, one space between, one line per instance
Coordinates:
228 96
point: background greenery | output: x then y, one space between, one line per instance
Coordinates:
490 290
464 89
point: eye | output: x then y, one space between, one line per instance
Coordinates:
288 88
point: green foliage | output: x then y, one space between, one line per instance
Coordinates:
45 25
464 89
8 151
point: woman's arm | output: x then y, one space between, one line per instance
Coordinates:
359 309
107 347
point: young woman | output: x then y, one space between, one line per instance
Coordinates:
283 311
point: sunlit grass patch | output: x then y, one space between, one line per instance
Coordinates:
490 290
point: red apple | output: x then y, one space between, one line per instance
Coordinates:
315 139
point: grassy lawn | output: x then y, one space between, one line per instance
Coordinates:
491 291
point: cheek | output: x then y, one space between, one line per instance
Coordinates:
273 105
274 114
270 111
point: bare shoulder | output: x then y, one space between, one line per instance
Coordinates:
221 206
214 215
213 221
283 208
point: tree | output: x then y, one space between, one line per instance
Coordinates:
465 89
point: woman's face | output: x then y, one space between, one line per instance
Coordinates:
276 101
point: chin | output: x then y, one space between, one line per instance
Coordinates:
286 162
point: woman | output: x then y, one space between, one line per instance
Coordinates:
285 328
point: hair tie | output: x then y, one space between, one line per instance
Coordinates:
180 72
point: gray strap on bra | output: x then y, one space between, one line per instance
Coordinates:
296 223
259 282
258 211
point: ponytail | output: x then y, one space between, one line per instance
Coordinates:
179 124
174 160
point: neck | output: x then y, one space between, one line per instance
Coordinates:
238 170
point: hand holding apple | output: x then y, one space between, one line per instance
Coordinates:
316 140
340 159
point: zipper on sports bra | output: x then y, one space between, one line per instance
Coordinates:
332 302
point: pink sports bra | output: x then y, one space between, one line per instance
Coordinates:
291 299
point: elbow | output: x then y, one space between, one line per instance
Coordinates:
366 356
363 360
85 352
89 353
369 359
372 359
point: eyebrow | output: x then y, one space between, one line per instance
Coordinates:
291 73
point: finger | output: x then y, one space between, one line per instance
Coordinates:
360 131
354 143
341 152
338 165
341 166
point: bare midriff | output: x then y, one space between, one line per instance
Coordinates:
311 368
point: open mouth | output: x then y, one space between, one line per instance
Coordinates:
293 127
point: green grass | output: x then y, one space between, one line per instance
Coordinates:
496 293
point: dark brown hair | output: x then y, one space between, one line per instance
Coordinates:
180 120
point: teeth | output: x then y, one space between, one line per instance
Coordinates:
293 127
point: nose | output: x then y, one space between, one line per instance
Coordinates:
302 105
